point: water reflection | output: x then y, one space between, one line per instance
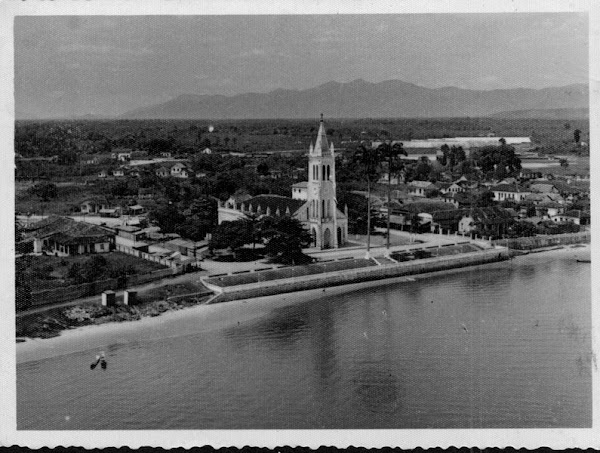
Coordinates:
374 381
281 327
376 388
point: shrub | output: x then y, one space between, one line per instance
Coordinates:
420 254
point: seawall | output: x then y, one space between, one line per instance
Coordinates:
336 278
543 241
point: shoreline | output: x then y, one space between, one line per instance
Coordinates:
202 318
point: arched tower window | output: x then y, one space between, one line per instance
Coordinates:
323 175
328 173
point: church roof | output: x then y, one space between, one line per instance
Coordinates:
321 147
273 202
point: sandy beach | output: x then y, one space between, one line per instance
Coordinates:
201 318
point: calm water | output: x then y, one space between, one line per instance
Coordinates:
506 345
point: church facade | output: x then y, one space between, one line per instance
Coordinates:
317 207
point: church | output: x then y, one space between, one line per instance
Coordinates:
313 202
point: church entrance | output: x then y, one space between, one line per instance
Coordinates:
313 234
327 239
340 238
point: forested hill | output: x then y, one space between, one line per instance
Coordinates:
547 114
361 99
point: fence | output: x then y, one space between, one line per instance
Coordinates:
67 293
150 257
541 241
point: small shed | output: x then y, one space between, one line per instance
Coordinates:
108 298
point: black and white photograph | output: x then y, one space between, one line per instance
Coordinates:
299 219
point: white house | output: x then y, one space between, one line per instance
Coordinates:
300 191
177 168
509 192
419 188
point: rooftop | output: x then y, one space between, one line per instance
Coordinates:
273 202
66 227
507 188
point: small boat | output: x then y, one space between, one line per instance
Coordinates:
95 364
584 260
100 359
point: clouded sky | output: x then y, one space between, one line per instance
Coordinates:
106 65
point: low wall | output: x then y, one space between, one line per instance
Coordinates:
69 293
345 277
138 279
541 241
147 256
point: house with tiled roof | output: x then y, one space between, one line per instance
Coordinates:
239 197
423 210
537 198
450 187
420 188
492 221
94 205
544 187
459 199
549 209
65 236
575 216
177 169
186 173
510 192
163 172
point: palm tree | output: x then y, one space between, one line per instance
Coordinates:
390 153
368 162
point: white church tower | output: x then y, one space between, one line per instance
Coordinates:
323 215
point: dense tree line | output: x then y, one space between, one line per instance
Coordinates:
281 238
498 161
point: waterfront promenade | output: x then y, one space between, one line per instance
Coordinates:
401 241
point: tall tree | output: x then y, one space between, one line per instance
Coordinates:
368 165
285 237
230 235
390 153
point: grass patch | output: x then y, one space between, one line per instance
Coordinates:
45 272
292 271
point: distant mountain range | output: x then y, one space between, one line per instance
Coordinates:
361 99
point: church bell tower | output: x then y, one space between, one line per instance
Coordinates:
322 205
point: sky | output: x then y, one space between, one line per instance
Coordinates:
69 66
